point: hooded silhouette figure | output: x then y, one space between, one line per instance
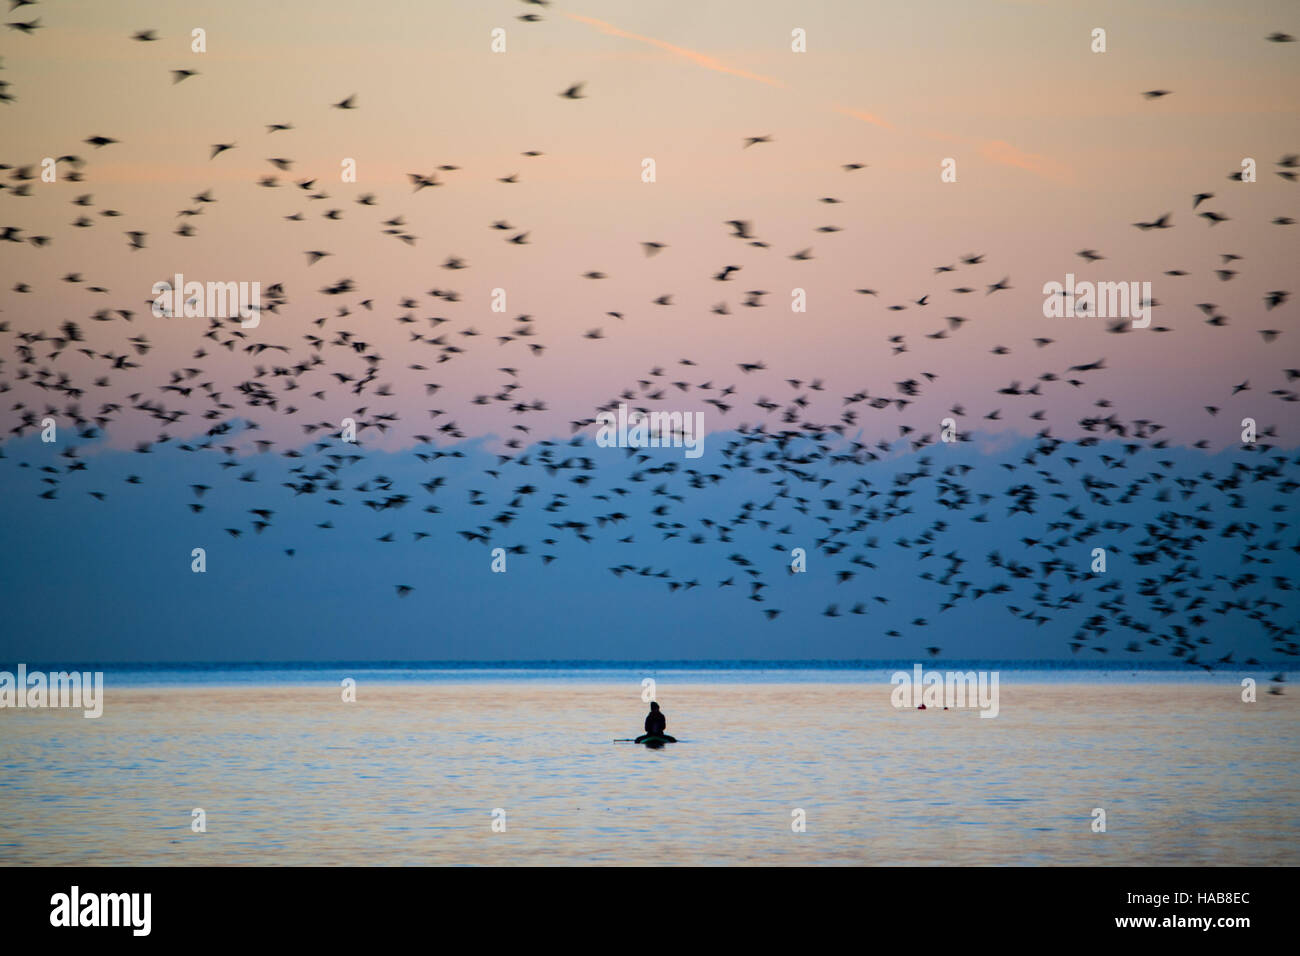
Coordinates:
655 721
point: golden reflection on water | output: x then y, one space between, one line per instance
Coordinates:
410 774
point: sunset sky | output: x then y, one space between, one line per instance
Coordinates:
1056 151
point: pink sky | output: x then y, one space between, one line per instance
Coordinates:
1056 151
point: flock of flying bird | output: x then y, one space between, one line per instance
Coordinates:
795 477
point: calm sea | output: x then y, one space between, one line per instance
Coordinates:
778 763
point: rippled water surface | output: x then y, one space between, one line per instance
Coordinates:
411 773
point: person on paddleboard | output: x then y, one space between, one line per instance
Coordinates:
655 722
